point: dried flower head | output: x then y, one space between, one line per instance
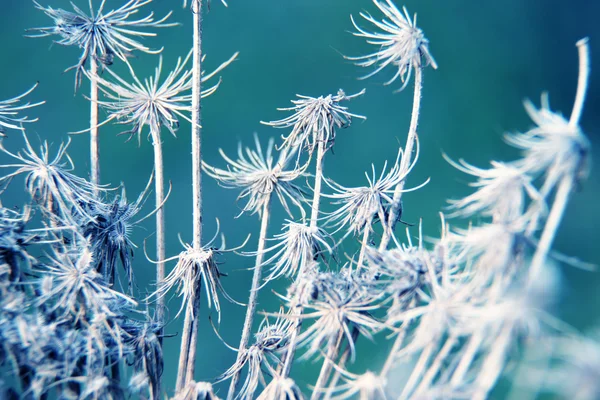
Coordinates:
555 147
51 182
500 191
337 314
150 102
109 234
361 205
299 245
257 173
71 285
9 112
101 35
315 120
195 266
401 43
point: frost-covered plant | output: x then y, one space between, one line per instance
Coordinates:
454 308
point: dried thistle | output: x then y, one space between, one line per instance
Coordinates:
401 43
257 173
101 35
315 120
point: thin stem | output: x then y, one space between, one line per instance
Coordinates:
191 359
554 218
582 81
332 354
196 124
389 362
364 244
467 358
314 217
341 364
260 253
417 370
406 161
436 365
94 147
196 174
160 223
314 214
184 349
493 364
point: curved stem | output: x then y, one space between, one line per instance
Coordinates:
94 146
246 330
582 81
406 161
554 218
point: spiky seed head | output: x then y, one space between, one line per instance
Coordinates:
315 120
260 177
101 35
152 103
554 146
401 43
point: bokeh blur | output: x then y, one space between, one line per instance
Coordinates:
491 56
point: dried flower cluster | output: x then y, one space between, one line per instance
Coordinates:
74 324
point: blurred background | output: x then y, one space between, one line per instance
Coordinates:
491 56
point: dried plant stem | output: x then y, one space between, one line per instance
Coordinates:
554 218
187 358
94 147
330 358
196 124
389 362
364 244
582 81
185 344
493 364
314 217
247 329
406 160
159 186
417 370
436 365
341 365
314 214
467 358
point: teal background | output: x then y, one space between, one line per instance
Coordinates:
491 56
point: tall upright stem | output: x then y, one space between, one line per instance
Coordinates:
94 147
160 222
196 124
314 214
247 329
406 161
314 217
196 168
184 348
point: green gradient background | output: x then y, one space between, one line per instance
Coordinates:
491 56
